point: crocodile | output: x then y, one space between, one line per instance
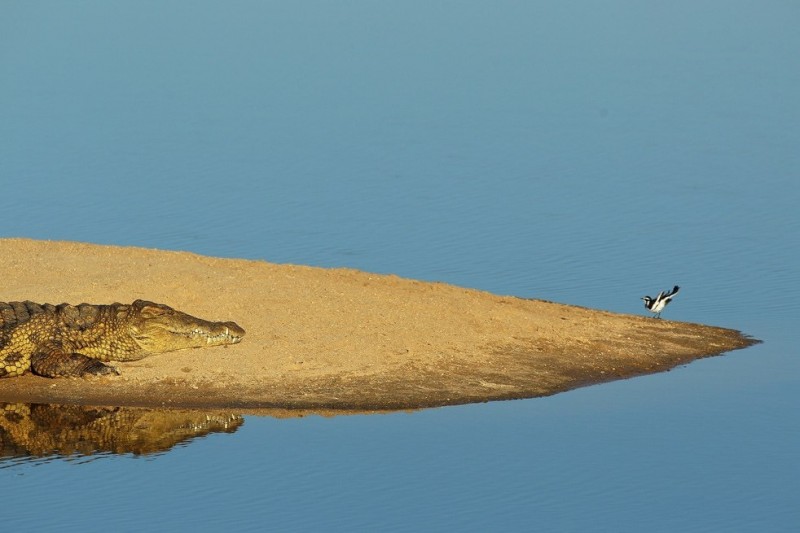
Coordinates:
77 340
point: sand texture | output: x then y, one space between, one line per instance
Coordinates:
336 339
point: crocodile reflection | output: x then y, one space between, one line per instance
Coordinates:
42 430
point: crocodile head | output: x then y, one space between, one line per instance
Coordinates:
157 328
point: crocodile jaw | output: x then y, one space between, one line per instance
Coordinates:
220 333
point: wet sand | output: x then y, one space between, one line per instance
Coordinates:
327 340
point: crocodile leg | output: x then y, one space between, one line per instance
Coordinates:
55 362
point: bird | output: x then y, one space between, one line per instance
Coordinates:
657 304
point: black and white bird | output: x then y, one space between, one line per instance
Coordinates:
657 304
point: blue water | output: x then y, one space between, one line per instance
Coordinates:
583 152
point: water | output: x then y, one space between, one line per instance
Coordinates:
582 152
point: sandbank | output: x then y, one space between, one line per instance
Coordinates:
334 340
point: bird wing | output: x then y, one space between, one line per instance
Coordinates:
673 292
668 296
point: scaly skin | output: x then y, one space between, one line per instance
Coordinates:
75 340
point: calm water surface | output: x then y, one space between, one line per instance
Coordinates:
582 152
